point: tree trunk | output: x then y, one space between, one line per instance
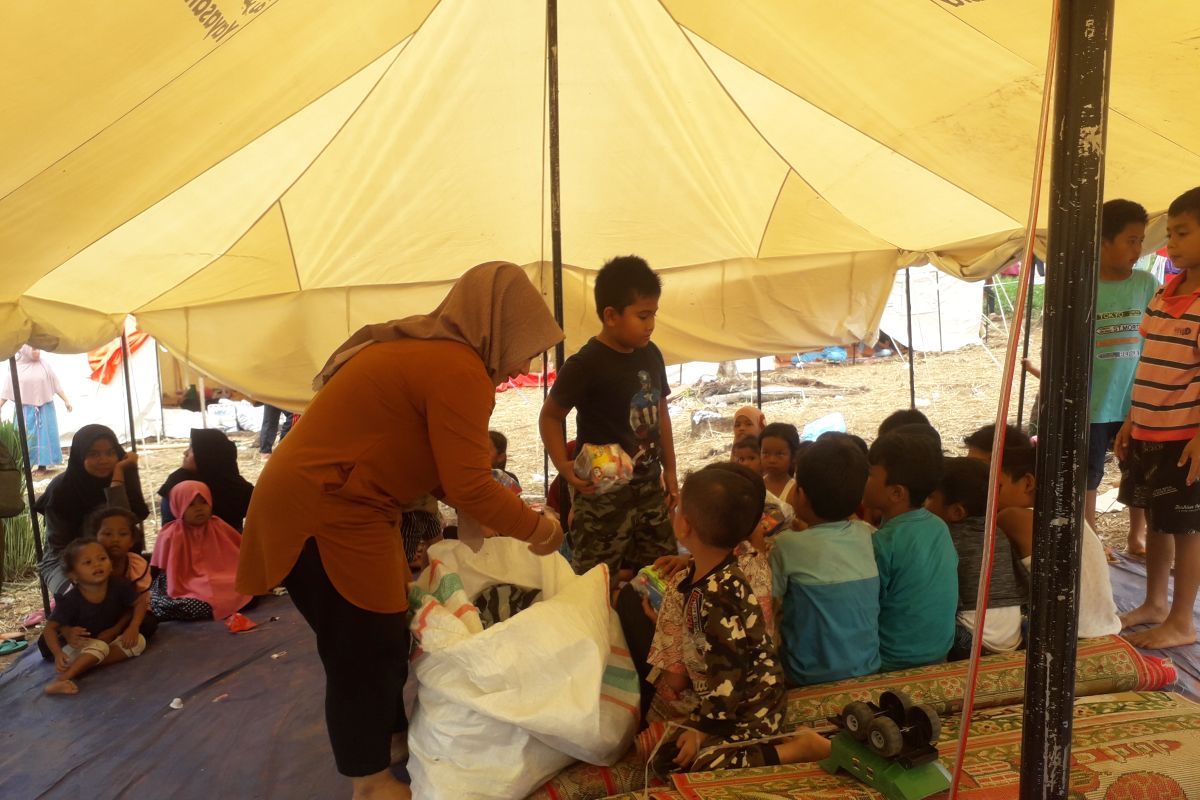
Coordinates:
727 369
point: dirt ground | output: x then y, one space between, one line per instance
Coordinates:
957 391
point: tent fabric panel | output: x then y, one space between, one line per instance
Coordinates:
63 328
174 239
441 166
102 64
260 263
253 81
804 223
656 159
897 200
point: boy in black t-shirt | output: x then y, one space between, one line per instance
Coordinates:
617 383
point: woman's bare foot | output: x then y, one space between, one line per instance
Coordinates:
380 786
1142 615
1136 546
807 745
62 686
1161 637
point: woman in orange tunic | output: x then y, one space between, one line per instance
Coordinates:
402 411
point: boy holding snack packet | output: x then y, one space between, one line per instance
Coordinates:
617 383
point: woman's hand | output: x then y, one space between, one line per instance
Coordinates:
75 634
550 543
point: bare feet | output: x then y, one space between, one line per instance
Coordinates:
807 745
1142 615
62 686
1168 634
380 786
1136 548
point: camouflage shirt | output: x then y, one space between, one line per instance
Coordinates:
729 655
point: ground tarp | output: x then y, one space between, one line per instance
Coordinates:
257 178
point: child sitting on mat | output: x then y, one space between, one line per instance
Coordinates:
961 501
113 527
727 653
1097 611
918 567
196 557
98 617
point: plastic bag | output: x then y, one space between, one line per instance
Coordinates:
500 711
608 466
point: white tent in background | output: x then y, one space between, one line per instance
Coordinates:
947 313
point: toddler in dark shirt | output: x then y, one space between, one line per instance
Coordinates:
94 622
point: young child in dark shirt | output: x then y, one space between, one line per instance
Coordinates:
98 617
617 383
728 655
961 501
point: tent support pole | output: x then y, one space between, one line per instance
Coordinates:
29 496
1025 349
128 390
912 372
1076 193
560 349
203 404
758 382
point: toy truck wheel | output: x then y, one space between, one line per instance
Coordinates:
884 737
857 718
926 724
895 705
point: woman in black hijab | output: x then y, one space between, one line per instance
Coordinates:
212 458
98 474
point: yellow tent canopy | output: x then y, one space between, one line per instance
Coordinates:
255 179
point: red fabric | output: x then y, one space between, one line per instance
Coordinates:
106 361
200 561
532 380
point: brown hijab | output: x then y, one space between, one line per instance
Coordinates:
493 308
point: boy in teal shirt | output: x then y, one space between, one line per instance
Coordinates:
824 579
917 562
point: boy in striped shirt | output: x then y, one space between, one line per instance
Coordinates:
1161 438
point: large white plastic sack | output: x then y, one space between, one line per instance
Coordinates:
500 711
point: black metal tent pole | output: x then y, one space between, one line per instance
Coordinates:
1025 349
128 390
29 496
758 382
560 349
1076 194
912 372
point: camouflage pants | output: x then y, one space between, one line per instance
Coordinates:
628 525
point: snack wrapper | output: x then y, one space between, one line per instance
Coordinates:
608 466
650 584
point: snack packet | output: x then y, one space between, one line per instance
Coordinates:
608 466
650 584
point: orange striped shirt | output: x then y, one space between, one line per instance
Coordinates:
1166 387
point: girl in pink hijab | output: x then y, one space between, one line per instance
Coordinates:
197 557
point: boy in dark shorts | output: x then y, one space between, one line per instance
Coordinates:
617 383
1161 439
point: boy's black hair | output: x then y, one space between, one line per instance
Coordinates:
921 429
985 437
747 442
723 502
1017 462
623 281
499 441
71 552
849 438
965 481
97 517
1119 213
904 416
833 474
1186 203
912 460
